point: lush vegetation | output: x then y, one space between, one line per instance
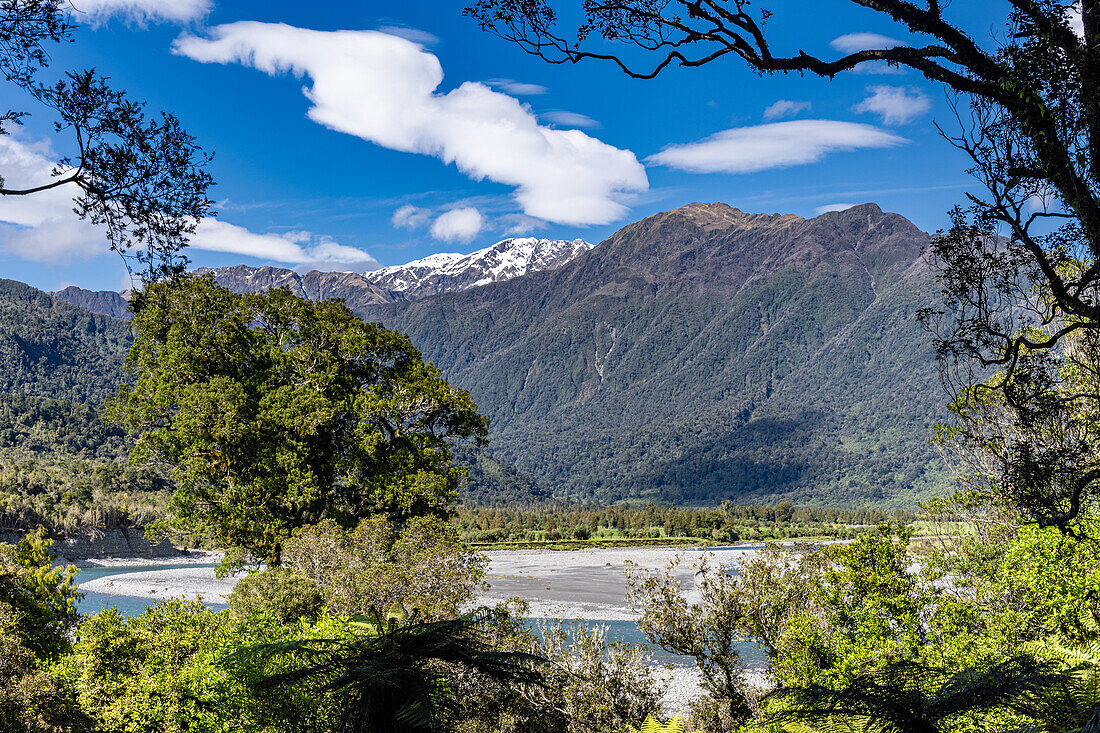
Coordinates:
61 465
54 350
865 634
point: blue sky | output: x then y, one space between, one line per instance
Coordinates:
337 144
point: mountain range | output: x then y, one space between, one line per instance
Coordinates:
445 272
700 354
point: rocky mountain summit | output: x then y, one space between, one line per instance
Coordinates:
449 272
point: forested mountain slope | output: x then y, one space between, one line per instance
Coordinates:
703 354
49 348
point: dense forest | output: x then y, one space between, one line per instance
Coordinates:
61 465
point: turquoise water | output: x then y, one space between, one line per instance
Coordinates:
127 605
629 633
623 631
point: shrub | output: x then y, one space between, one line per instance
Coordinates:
43 598
590 685
164 671
424 567
286 595
30 700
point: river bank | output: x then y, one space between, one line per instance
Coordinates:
588 583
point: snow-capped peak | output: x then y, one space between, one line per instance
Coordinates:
447 272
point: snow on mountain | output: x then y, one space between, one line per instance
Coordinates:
448 272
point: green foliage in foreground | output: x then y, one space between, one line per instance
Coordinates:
389 679
905 697
864 633
38 597
163 671
275 412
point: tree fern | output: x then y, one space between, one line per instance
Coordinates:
652 725
1082 655
907 697
1077 701
391 677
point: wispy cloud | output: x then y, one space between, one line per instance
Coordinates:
852 42
784 108
774 145
292 248
458 225
518 88
410 217
423 38
142 11
895 105
383 89
832 207
569 119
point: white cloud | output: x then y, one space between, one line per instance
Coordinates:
852 42
458 225
519 88
569 119
383 89
53 241
895 105
293 248
774 145
878 68
831 207
784 108
410 217
41 227
142 11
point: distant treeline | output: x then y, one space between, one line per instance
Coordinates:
63 468
727 523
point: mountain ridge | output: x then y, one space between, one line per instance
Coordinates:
444 272
449 272
648 346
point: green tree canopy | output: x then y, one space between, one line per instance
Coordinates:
275 412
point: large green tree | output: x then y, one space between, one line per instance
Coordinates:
1034 139
275 412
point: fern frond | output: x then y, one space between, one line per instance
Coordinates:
652 725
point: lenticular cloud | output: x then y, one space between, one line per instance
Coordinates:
382 88
775 145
